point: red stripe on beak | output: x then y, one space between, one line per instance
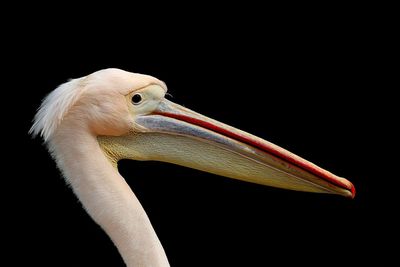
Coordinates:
268 148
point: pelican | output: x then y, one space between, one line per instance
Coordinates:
90 123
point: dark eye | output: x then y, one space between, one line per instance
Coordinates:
136 99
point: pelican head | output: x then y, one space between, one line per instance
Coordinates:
92 122
130 118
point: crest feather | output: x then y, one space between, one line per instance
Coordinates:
54 107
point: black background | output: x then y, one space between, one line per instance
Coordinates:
303 83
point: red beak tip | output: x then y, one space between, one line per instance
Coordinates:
353 191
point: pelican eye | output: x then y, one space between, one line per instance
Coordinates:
136 99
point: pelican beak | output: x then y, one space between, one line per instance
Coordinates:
181 136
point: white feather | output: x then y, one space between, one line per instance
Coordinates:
55 106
